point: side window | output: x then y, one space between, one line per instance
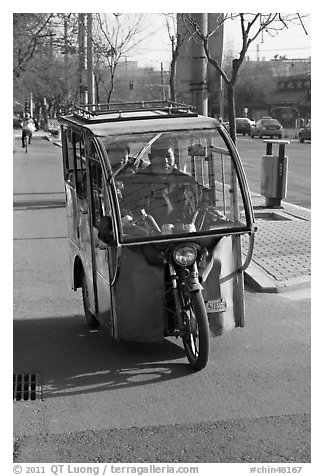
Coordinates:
74 161
68 154
100 202
81 175
96 191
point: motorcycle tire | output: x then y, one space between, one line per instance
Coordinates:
89 317
196 331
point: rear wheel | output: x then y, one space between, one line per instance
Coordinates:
90 318
196 330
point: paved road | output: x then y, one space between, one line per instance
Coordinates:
299 167
110 402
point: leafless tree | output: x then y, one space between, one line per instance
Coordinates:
115 35
177 40
252 26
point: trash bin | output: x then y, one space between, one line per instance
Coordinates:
274 174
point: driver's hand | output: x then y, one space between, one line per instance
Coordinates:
216 214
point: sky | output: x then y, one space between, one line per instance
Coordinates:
292 42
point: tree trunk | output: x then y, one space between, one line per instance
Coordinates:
231 110
172 78
96 89
111 89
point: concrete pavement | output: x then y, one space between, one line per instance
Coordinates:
282 247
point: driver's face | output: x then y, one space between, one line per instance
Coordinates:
162 161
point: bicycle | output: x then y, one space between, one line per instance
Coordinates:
26 141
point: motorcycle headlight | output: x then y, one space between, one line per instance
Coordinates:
185 255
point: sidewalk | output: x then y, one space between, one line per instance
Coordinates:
36 135
282 249
281 258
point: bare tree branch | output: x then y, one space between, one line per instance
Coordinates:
116 35
252 26
30 29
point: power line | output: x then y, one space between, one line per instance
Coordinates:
280 49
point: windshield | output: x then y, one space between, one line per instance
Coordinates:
174 183
270 122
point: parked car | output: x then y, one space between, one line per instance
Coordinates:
304 133
243 125
267 127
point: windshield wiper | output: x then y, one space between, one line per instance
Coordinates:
135 160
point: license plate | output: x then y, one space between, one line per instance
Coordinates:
216 305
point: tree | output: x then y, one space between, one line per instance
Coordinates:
177 40
252 26
30 31
115 35
255 83
44 63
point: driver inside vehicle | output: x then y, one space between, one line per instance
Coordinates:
173 198
164 192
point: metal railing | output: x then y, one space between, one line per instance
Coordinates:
93 112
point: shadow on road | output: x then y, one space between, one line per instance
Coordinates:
73 359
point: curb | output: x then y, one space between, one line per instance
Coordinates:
260 281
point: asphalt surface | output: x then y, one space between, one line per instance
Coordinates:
109 404
271 441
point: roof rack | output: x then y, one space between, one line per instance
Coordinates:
94 112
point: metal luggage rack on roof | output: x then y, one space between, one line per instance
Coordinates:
154 109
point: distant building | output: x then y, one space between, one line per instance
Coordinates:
281 89
134 83
291 102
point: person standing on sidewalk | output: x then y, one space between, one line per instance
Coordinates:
28 127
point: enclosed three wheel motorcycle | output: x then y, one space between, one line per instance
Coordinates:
157 203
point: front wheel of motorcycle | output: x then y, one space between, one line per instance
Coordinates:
196 330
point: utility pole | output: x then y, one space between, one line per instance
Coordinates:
221 97
162 82
89 59
31 105
196 80
81 47
199 67
66 59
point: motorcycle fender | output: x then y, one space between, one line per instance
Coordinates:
193 284
194 287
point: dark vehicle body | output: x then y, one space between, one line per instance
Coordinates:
267 127
304 134
243 125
